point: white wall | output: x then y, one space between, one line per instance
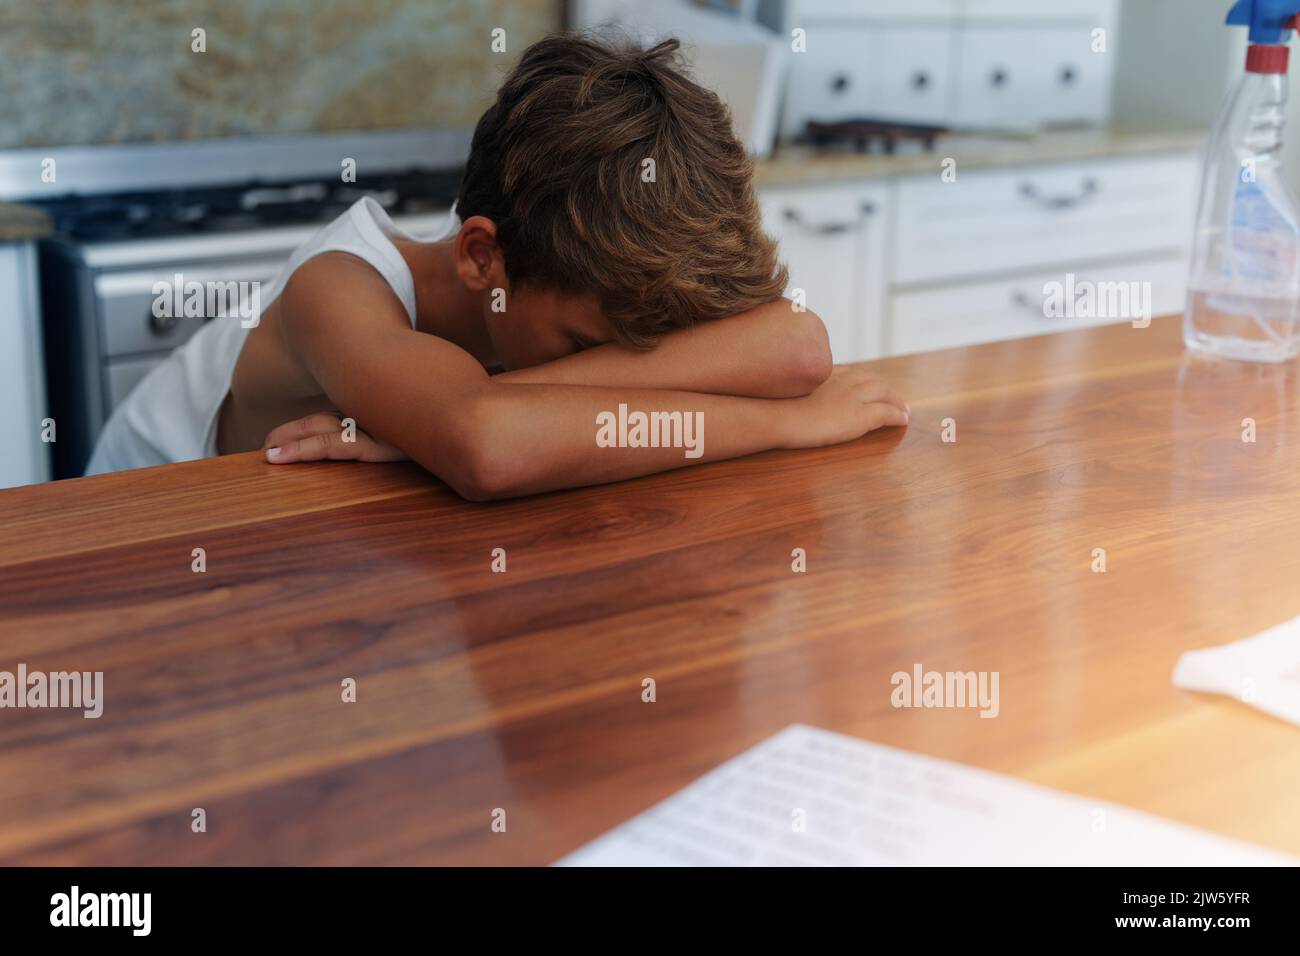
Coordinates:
1175 62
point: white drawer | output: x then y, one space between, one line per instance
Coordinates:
996 78
915 74
1071 83
1042 216
1017 307
838 78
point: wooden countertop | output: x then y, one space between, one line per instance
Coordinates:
522 690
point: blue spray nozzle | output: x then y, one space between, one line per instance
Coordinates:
1269 20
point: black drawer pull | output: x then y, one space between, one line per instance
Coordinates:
865 211
1087 189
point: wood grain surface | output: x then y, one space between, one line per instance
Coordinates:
522 690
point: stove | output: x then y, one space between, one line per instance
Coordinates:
242 207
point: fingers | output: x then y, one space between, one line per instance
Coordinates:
875 392
324 446
320 437
317 424
883 414
878 391
871 389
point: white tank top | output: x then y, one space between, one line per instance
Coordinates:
172 414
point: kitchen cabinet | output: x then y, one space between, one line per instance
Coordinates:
902 73
961 63
862 70
973 256
1021 219
1053 11
917 263
800 11
1042 10
22 380
1013 307
1026 75
833 241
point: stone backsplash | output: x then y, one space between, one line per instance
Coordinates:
119 71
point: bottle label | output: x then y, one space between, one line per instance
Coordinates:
1262 243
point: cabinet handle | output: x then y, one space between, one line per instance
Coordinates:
161 325
865 211
1087 189
1024 300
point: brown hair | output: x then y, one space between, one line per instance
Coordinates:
557 164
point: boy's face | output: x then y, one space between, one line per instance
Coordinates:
540 325
529 325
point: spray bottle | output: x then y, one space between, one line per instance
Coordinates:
1244 288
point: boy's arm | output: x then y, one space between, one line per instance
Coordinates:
770 351
493 439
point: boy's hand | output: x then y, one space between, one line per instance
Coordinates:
320 437
849 404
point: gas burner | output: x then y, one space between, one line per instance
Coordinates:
245 206
861 133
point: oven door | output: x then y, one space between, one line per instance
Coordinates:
117 337
134 337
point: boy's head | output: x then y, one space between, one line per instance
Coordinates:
608 195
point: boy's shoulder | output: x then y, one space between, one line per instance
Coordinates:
336 286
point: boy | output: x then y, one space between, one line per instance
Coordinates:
609 253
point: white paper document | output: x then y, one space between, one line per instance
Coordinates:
1263 671
809 797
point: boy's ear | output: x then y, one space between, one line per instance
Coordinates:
479 262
